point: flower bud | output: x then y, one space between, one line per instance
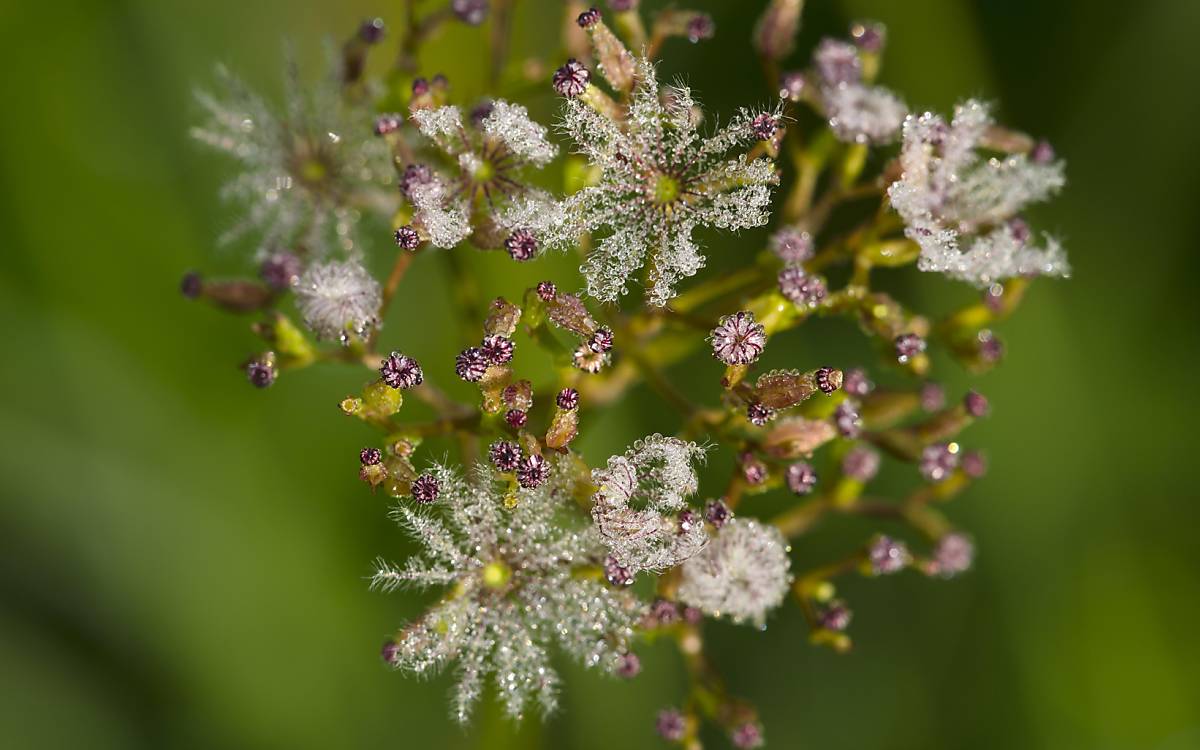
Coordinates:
775 34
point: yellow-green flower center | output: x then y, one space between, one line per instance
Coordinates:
666 190
496 574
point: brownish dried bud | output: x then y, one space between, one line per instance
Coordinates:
518 395
237 295
567 311
797 437
780 389
563 429
502 318
615 62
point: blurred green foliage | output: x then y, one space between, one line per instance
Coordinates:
182 558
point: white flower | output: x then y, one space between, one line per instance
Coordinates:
743 573
338 299
513 591
306 172
657 474
957 205
659 180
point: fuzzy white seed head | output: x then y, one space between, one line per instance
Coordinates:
743 573
338 299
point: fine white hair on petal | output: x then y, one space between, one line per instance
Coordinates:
439 124
955 202
510 124
338 299
444 217
864 114
743 573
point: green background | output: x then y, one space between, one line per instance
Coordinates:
182 557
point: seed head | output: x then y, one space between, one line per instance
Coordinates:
471 364
521 245
532 471
425 489
505 456
571 79
737 339
401 371
498 349
567 399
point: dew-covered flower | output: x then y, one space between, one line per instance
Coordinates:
305 170
489 159
742 573
737 339
659 180
638 495
338 299
511 592
956 201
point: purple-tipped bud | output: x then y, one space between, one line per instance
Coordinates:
801 478
420 86
792 246
546 291
888 555
932 396
371 30
401 371
747 736
440 82
567 399
261 372
758 414
388 123
701 26
498 349
588 360
828 379
869 37
516 418
504 455
390 652
688 520
664 612
835 616
993 297
990 347
670 725
792 85
414 176
954 554
754 471
716 512
533 471
805 290
837 62
1042 153
764 126
280 271
861 463
370 456
407 237
974 464
425 489
615 573
1019 230
601 341
571 79
471 364
737 339
847 419
588 18
908 345
976 404
629 665
470 12
481 111
191 285
856 382
521 245
938 461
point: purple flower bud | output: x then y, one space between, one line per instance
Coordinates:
856 382
861 463
792 85
1018 229
615 573
401 371
414 176
908 345
692 615
280 270
800 478
407 237
546 290
588 18
976 404
847 419
601 341
390 652
370 456
371 30
837 62
471 364
516 418
498 349
521 244
974 464
671 725
764 126
1042 153
388 123
470 12
664 612
747 736
888 555
688 519
835 616
629 665
758 414
716 512
828 379
792 246
567 399
571 79
587 360
191 285
261 372
868 36
533 471
933 396
504 455
480 112
938 461
440 82
701 26
420 86
425 489
990 347
737 339
754 471
805 290
993 297
954 554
